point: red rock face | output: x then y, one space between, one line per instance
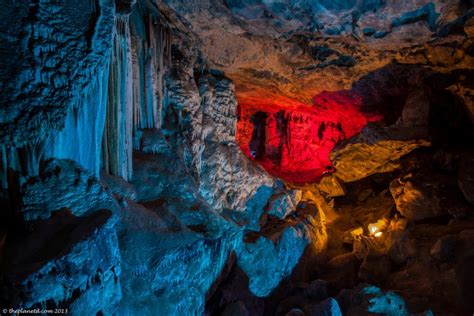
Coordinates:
293 140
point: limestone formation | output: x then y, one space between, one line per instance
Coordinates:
237 157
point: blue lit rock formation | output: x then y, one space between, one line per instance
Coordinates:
128 95
77 267
64 184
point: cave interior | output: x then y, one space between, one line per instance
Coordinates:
237 157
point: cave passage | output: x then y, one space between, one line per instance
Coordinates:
293 140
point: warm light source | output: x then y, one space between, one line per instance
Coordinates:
375 229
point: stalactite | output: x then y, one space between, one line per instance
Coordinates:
80 139
139 60
9 162
118 133
24 161
150 58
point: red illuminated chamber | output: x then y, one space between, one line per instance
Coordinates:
292 140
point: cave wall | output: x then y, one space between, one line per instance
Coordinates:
131 152
62 60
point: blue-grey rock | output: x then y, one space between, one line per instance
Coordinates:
283 204
70 262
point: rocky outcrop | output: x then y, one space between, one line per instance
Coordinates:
421 194
370 299
267 261
227 179
173 268
375 150
200 208
416 200
284 204
63 184
66 262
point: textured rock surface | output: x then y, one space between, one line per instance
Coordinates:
63 184
370 299
267 262
227 178
164 103
293 140
316 40
191 208
172 270
67 53
417 200
282 205
375 151
77 268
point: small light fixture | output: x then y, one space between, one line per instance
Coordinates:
373 230
376 229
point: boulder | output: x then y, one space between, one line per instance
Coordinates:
67 261
416 199
283 204
375 150
118 186
168 269
267 262
368 299
443 249
332 186
416 110
352 234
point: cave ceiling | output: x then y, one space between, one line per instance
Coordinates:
300 48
